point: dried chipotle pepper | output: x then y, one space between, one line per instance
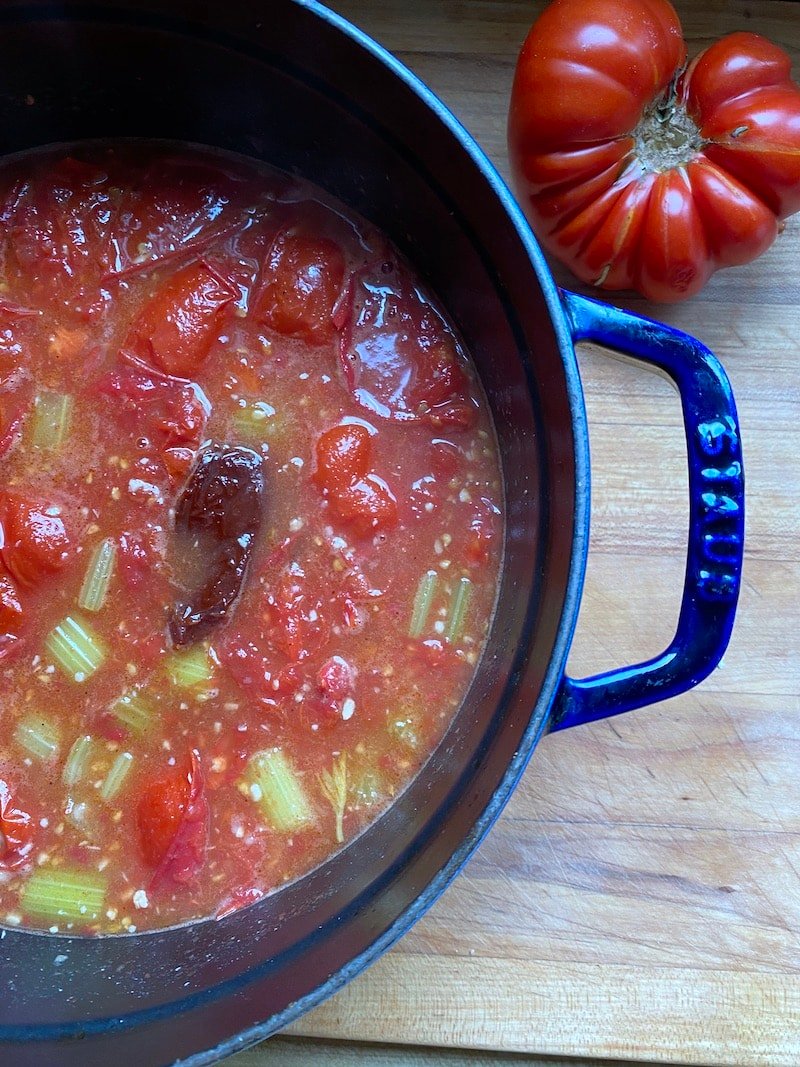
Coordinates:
220 510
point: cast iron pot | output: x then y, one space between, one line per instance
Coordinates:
291 83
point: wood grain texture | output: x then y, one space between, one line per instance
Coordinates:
640 897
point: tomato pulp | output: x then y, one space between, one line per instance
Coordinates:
249 497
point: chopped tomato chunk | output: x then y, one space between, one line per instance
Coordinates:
16 399
482 531
296 614
171 413
343 455
398 357
58 224
366 505
335 677
303 279
172 823
10 607
364 501
180 206
16 831
177 327
34 543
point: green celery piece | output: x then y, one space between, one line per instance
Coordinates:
190 668
98 576
422 603
116 776
459 609
63 893
333 784
367 790
38 736
134 711
52 419
76 648
78 760
256 423
404 728
278 791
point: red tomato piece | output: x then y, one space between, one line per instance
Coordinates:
297 616
481 534
303 276
10 645
16 399
259 672
180 207
135 561
172 823
335 677
398 356
10 606
58 223
34 542
177 327
367 505
172 413
343 455
16 831
447 459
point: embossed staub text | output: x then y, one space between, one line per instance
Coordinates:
721 526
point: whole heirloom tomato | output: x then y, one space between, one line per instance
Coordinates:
640 172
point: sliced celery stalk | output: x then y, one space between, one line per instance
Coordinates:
458 609
133 711
78 761
52 418
190 668
333 784
422 603
70 894
75 648
116 776
256 422
277 789
38 736
98 576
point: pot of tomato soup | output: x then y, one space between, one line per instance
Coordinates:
294 504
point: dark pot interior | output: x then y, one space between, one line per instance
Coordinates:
282 82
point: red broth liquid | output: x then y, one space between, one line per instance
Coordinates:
250 530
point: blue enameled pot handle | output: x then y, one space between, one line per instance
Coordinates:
716 516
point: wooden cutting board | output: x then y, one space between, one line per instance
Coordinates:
640 897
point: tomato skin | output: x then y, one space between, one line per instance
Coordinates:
598 83
399 359
177 327
16 838
34 544
335 677
14 405
172 823
57 224
343 454
483 529
173 413
298 619
367 505
303 280
10 606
